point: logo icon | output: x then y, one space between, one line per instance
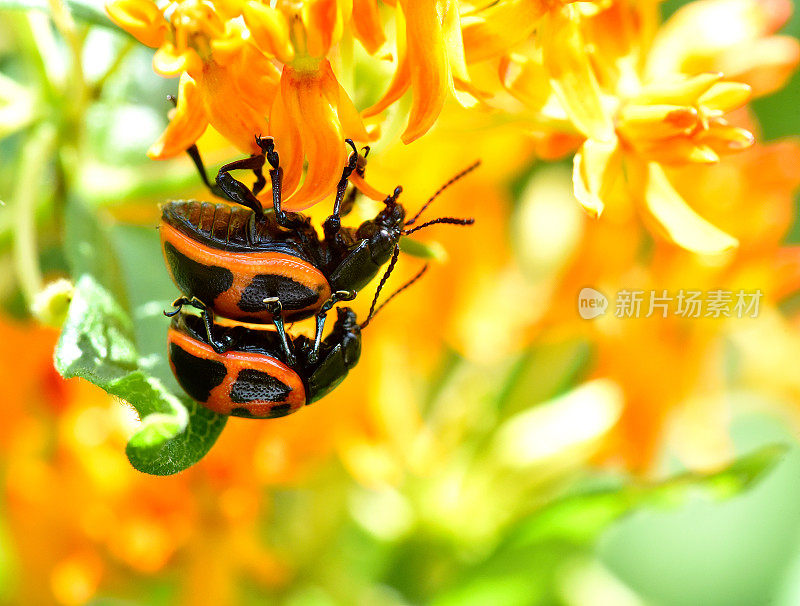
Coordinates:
591 303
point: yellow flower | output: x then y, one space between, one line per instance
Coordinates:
229 55
639 113
741 44
679 384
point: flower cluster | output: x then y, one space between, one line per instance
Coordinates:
601 76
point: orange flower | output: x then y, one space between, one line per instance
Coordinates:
639 112
671 369
430 61
228 55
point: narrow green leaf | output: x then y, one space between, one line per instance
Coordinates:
532 551
431 251
96 344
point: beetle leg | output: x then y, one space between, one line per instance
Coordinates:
215 189
333 223
261 181
236 191
255 163
339 295
275 308
284 219
181 301
178 305
208 321
194 154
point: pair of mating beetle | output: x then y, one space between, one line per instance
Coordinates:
247 265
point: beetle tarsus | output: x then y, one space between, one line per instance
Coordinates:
284 219
275 307
336 297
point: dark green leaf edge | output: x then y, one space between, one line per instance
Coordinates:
96 344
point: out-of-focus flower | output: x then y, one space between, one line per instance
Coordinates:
640 113
672 369
229 56
741 43
81 519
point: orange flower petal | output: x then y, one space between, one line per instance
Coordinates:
270 30
430 74
526 79
347 113
677 221
303 95
401 79
573 79
366 189
167 61
724 138
725 96
324 23
678 90
258 80
491 31
187 124
678 150
367 25
686 42
288 143
142 19
764 64
230 111
453 41
655 121
595 168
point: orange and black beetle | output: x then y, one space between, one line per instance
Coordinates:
252 266
250 379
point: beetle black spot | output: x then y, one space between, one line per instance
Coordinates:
292 295
255 385
198 376
195 279
240 411
279 410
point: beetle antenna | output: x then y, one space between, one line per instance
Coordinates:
384 277
455 178
420 273
448 220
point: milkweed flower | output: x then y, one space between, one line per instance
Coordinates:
675 394
249 68
610 79
430 62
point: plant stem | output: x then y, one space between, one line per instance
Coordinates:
35 157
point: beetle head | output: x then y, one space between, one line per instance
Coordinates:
392 217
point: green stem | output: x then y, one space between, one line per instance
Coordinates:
34 160
97 87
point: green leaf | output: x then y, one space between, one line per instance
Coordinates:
582 517
430 251
545 371
89 250
96 344
82 10
532 553
101 343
